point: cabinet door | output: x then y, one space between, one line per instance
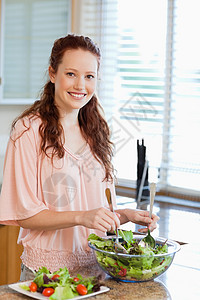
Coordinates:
10 253
3 254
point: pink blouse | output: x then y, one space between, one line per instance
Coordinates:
31 184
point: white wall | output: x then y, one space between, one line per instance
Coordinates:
7 114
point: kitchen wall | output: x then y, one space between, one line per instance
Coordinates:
7 114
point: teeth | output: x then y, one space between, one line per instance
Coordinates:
77 95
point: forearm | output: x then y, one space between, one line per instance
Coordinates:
123 215
52 220
100 218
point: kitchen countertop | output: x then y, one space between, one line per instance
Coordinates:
118 290
180 281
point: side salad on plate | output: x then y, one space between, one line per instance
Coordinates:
60 285
140 263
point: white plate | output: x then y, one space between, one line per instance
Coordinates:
36 295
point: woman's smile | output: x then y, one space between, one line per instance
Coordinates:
77 95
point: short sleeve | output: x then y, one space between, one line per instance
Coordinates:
19 198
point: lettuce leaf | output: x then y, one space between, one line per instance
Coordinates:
127 236
103 244
93 236
39 280
64 276
62 293
24 287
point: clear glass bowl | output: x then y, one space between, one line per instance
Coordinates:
135 268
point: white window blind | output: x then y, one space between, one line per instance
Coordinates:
99 21
29 28
132 77
183 161
141 81
150 85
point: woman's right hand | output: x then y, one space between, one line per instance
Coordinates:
101 218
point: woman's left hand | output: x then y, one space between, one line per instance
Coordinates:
140 217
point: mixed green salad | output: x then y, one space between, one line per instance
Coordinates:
140 262
60 285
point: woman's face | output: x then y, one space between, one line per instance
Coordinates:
75 80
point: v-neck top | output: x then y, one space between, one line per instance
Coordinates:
32 184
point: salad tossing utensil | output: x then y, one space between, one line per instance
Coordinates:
109 198
117 245
149 239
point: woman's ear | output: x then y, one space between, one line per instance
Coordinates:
52 74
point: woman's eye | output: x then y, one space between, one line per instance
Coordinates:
90 76
70 74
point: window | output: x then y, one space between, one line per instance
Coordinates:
183 162
150 86
29 28
140 81
149 82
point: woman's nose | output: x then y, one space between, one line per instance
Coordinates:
79 83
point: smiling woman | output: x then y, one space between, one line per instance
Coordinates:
58 196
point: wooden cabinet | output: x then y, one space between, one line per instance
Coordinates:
10 253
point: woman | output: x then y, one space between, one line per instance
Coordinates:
58 165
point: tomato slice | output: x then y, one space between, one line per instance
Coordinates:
48 292
122 272
55 276
76 279
81 289
33 287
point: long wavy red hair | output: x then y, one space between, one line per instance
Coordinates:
91 121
